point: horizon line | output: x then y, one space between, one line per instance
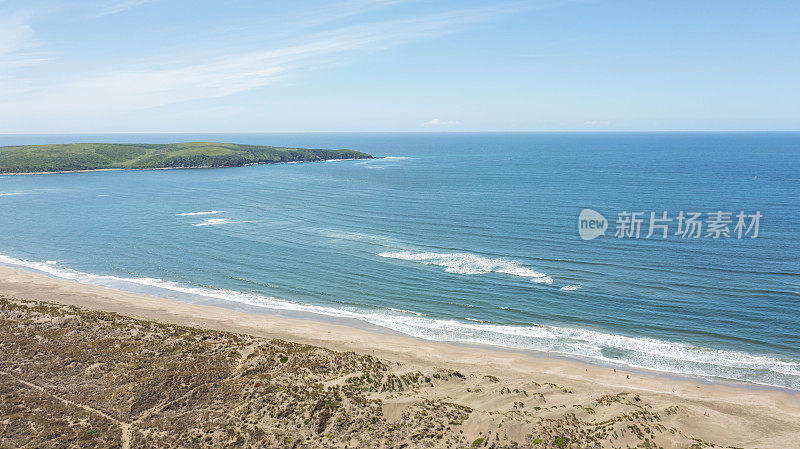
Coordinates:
75 133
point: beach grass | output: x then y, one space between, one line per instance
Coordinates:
99 379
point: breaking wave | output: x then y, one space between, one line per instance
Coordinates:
468 263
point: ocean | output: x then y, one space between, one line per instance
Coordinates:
470 238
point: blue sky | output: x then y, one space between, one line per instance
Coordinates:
398 65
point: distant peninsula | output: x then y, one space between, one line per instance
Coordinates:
111 156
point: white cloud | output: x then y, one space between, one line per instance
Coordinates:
149 87
437 122
16 37
121 6
101 94
596 123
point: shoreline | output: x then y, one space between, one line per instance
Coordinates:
187 296
181 168
736 408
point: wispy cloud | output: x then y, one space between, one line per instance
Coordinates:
16 34
334 11
120 7
596 123
438 122
19 48
161 80
150 87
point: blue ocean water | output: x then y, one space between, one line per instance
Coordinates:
455 237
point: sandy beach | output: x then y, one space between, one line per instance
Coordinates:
689 412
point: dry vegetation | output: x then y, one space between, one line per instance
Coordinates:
71 378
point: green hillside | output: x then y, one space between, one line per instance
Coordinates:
94 156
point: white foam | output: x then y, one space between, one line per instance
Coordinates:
468 264
382 162
360 237
338 160
406 311
217 221
13 193
636 352
213 221
639 352
571 288
210 212
45 267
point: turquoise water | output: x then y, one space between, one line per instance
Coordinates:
455 237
